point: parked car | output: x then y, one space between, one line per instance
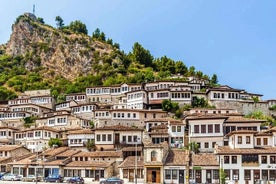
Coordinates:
11 177
54 178
76 179
113 180
31 178
2 174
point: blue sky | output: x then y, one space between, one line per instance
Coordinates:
234 39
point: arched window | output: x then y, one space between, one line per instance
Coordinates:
153 156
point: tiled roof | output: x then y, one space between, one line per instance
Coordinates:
40 128
24 161
55 151
125 149
242 132
162 126
81 131
100 154
88 164
205 116
204 159
8 127
224 150
119 128
177 157
240 119
2 159
166 119
68 153
10 147
54 163
129 162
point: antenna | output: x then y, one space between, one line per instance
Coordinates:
33 9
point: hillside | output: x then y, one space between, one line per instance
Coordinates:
39 56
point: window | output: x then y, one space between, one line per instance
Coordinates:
226 159
196 128
173 129
239 139
235 174
153 156
134 115
264 159
103 137
258 141
264 174
203 128
178 128
210 128
272 174
234 159
215 174
247 139
98 137
247 174
109 137
227 174
217 128
129 138
206 144
174 174
272 160
265 141
167 174
135 138
124 139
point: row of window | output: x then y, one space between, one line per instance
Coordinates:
135 96
181 95
207 128
230 95
31 134
104 137
250 158
176 128
122 115
13 115
251 174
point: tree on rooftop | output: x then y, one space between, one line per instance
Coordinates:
55 142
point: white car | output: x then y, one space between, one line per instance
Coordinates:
11 177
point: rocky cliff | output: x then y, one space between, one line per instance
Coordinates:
56 52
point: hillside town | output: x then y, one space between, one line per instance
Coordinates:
121 131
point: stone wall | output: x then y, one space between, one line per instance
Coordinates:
242 107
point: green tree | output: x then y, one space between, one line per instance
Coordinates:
141 55
191 71
214 79
41 20
222 176
96 34
29 121
199 102
169 106
59 22
90 145
193 146
55 142
78 27
180 68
